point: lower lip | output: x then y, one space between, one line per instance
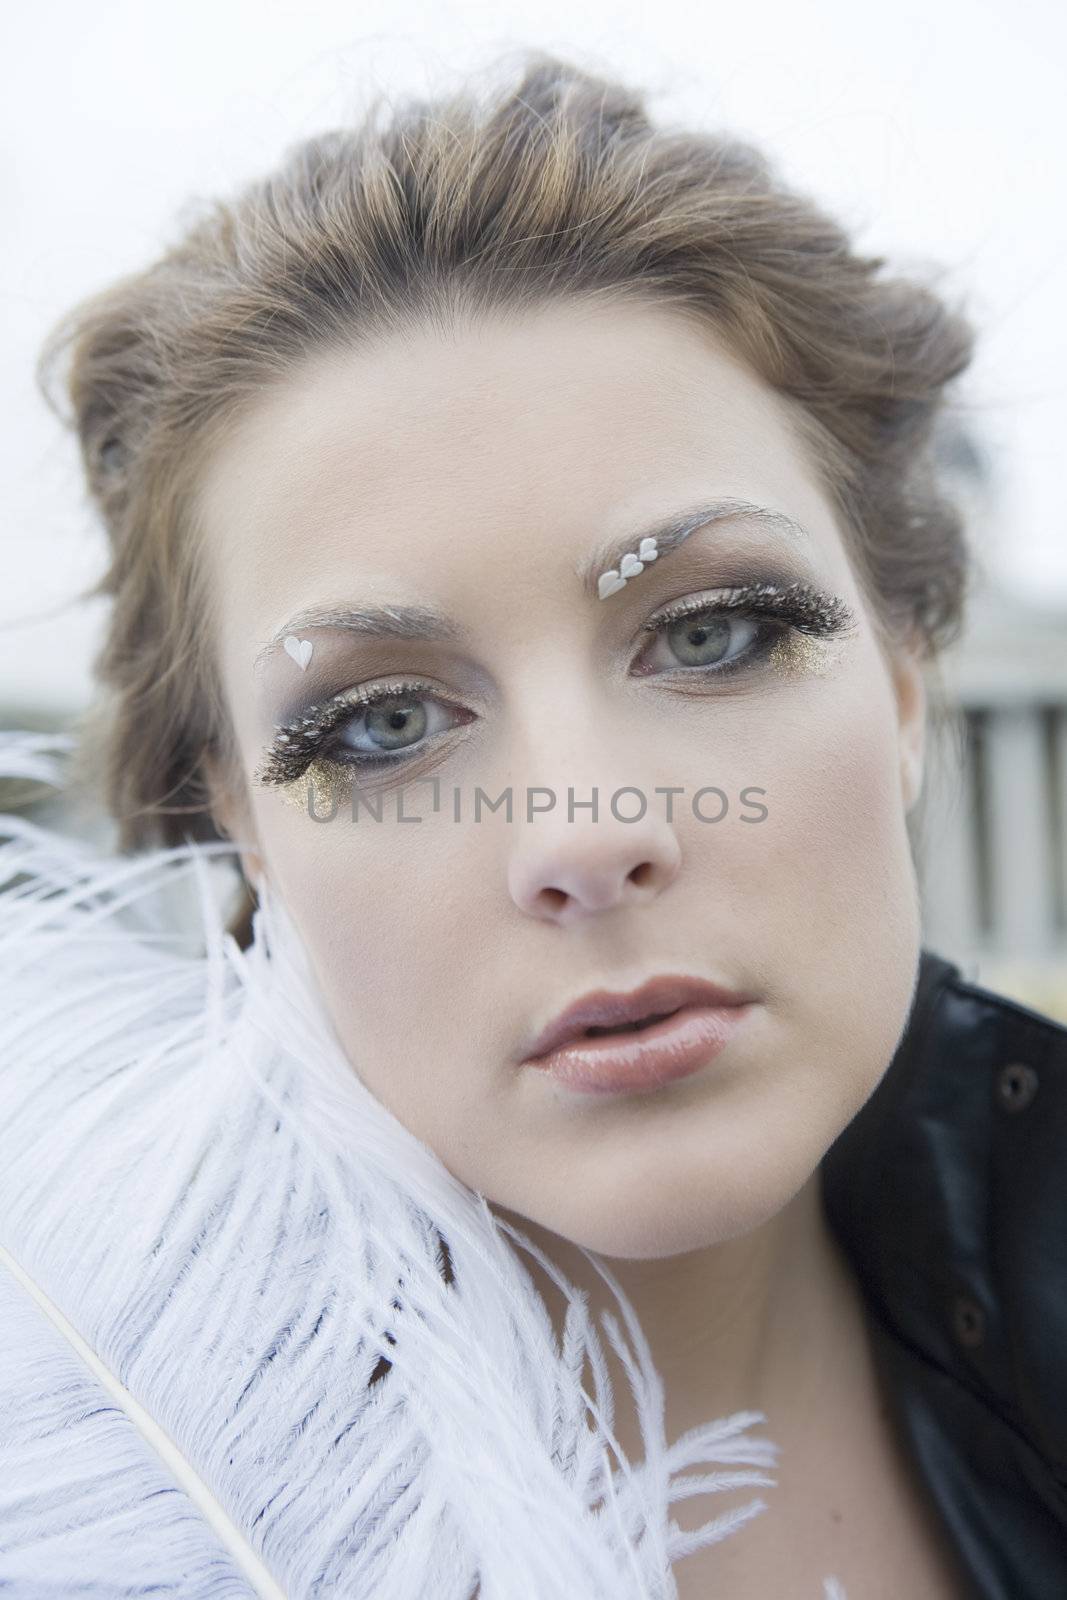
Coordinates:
645 1058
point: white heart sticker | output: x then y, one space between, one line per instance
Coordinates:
610 583
647 549
299 649
630 566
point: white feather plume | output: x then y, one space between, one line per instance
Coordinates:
213 1238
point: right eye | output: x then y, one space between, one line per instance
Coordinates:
367 729
388 726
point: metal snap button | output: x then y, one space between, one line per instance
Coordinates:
968 1321
1016 1085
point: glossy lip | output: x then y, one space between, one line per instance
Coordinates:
605 1008
641 1060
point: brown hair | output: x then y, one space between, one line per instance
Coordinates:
557 185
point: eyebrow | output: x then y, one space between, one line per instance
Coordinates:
426 623
379 622
674 530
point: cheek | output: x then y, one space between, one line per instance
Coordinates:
826 883
843 823
387 911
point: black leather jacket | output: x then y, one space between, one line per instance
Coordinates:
948 1193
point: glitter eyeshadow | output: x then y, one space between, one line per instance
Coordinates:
332 789
799 655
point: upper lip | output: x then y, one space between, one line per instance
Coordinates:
602 1008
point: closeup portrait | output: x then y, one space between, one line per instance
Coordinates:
533 806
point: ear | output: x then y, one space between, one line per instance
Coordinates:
232 816
909 688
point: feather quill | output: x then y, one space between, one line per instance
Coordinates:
232 1362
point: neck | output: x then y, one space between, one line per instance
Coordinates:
769 1322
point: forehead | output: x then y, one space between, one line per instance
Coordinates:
515 436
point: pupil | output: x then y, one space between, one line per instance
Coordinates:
700 643
395 726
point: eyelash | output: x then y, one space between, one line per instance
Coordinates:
796 607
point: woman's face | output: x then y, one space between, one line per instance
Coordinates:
476 475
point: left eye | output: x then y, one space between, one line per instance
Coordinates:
711 639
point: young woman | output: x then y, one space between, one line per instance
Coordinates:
527 559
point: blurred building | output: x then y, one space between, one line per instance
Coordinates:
993 852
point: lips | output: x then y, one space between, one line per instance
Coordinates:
603 1009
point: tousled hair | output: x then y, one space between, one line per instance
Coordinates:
552 184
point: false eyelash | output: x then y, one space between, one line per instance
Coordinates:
804 607
799 605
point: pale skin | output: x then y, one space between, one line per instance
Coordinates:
473 474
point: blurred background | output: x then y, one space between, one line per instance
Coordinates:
935 131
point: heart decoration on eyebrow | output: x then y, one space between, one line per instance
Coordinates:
299 649
632 563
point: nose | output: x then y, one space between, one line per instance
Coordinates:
564 869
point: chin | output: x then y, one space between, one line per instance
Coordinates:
637 1220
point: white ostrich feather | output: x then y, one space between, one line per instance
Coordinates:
211 1233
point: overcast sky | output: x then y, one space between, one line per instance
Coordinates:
937 131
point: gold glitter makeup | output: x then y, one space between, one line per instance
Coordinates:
798 655
322 791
